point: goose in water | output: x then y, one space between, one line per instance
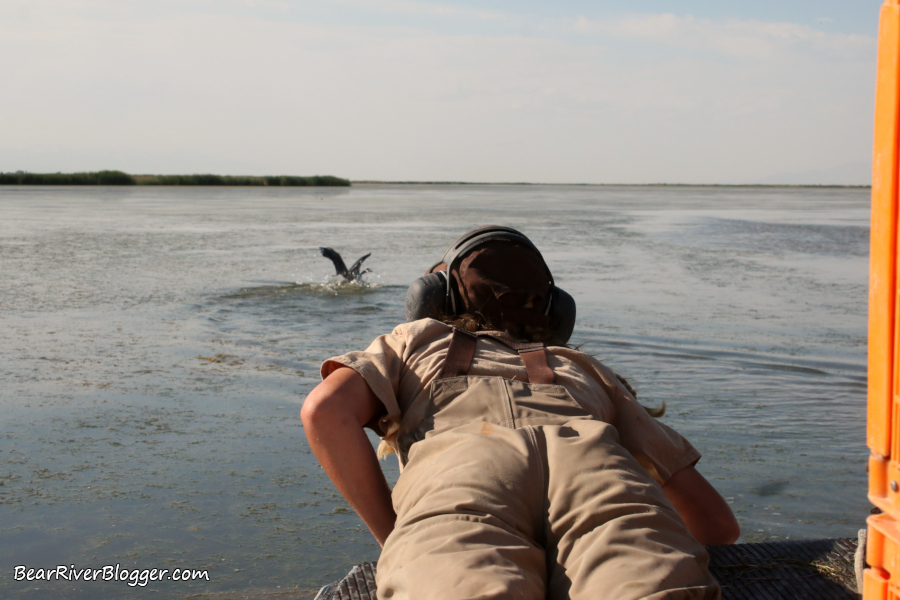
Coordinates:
351 274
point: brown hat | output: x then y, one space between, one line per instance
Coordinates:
504 283
500 276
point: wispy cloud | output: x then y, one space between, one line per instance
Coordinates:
423 8
748 39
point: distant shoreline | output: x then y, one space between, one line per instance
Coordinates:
122 178
525 183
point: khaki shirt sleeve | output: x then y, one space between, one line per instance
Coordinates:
380 365
661 450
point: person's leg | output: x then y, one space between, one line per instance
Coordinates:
468 507
611 533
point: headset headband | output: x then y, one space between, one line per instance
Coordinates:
482 235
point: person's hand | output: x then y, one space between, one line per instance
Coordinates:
704 511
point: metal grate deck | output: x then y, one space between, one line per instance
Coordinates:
801 570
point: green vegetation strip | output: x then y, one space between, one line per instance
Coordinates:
120 178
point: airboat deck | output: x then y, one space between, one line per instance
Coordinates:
788 570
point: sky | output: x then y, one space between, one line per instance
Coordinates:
569 91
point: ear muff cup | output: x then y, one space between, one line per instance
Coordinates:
426 297
562 317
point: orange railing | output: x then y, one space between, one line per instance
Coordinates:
882 578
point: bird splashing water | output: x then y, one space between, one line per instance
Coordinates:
353 273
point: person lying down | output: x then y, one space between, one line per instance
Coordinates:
528 469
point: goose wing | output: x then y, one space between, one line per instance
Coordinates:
339 265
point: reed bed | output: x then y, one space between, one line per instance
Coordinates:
121 178
93 178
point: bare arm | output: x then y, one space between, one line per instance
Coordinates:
704 511
334 414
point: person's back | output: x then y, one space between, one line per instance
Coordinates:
526 471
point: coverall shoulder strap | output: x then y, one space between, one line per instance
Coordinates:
536 366
460 353
462 350
533 354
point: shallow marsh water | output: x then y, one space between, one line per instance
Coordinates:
158 344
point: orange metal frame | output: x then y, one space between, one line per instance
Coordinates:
882 579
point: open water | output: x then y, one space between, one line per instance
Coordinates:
157 344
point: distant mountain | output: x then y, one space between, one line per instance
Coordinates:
858 173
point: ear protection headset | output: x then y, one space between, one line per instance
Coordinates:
435 295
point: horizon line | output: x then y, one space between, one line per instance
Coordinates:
765 185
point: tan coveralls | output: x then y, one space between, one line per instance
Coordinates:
513 489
